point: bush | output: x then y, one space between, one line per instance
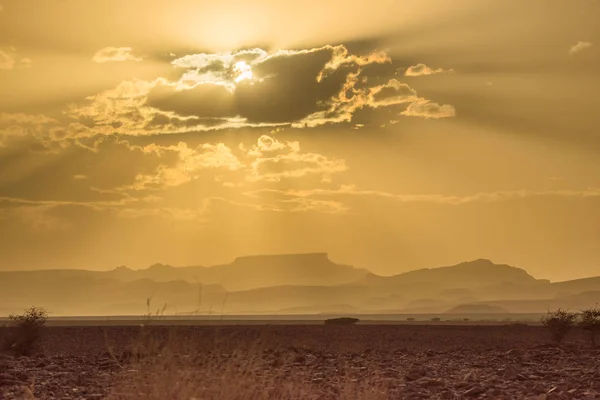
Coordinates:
559 323
26 331
436 319
590 321
341 321
410 319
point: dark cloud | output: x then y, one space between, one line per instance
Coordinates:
249 88
204 100
289 90
285 88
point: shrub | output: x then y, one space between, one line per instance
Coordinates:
410 319
436 319
590 320
341 321
559 323
26 331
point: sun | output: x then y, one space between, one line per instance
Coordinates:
242 71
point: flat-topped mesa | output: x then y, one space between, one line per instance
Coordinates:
284 258
286 269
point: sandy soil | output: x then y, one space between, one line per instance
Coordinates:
328 362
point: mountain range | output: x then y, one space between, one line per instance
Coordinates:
292 284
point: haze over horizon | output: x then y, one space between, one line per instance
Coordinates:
483 261
393 134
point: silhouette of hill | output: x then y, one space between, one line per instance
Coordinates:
253 272
467 274
309 283
287 269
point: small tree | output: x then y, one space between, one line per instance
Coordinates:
559 323
27 330
590 321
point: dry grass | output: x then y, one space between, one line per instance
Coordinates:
176 368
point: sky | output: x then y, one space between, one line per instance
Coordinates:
392 134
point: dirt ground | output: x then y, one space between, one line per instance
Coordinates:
312 362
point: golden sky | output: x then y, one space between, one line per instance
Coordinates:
392 134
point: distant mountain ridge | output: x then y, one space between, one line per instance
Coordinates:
291 283
251 272
481 271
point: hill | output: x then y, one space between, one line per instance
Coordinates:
292 283
467 274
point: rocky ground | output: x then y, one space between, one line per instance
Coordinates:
328 362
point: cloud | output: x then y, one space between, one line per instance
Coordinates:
579 46
452 200
275 160
121 107
267 160
299 88
41 215
426 109
204 100
187 167
217 68
424 70
115 54
392 93
287 86
38 214
350 99
19 126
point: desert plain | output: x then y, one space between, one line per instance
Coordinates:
364 361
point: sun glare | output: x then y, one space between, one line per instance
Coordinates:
242 71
